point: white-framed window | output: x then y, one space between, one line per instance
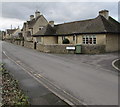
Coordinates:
89 39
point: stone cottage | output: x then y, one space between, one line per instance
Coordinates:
101 31
32 26
9 32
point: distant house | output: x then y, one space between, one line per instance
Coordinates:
17 34
9 32
33 25
102 30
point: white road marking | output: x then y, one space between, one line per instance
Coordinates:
113 64
18 61
40 75
4 52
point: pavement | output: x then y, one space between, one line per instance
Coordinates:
87 79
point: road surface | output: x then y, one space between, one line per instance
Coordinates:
89 84
36 92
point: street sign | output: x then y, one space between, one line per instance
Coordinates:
70 48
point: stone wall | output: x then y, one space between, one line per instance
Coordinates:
93 49
8 40
54 48
28 44
61 48
17 42
22 43
86 49
112 42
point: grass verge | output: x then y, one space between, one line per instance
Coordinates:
12 94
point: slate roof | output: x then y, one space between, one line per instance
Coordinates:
32 22
96 25
46 30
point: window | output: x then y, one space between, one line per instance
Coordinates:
94 40
84 40
91 39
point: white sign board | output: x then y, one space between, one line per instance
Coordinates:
70 48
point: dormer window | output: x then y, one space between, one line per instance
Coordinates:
40 28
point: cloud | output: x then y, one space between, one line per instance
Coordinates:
61 0
5 23
58 11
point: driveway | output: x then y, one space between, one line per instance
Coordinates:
89 79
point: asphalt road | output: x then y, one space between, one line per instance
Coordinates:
36 92
90 84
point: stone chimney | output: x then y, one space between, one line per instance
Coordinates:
104 13
51 23
37 13
31 17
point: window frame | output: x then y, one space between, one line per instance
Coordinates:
89 39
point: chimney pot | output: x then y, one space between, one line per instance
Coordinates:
51 23
31 17
104 13
37 13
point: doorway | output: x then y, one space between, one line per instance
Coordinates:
35 43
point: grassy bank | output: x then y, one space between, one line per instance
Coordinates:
12 94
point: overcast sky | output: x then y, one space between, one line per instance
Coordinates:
16 13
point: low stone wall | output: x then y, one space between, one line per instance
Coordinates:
86 49
8 40
28 44
40 47
17 42
22 43
93 49
54 48
61 48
